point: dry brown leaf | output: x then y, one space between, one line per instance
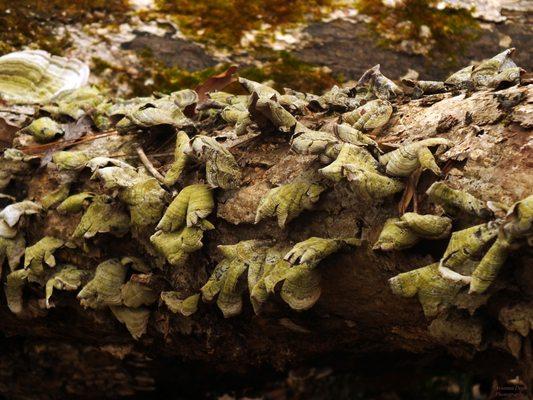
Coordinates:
215 82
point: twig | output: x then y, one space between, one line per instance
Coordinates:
149 166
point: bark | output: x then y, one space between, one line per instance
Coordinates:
357 325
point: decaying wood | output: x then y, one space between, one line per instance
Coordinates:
357 315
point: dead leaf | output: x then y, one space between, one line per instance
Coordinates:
410 192
7 133
215 82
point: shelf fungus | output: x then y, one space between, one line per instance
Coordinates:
135 319
136 294
308 141
349 134
238 116
358 166
12 214
70 160
186 307
14 287
464 247
153 112
180 159
379 84
434 292
406 159
68 277
516 227
489 72
105 287
53 198
145 200
12 249
420 88
406 231
75 103
43 130
263 109
75 203
457 201
102 216
335 99
35 76
256 277
287 201
40 254
261 89
14 164
191 205
221 167
300 284
315 249
371 115
176 246
226 279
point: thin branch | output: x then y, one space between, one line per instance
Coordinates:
148 164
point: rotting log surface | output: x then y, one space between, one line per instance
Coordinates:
85 353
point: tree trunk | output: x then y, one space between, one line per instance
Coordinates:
358 326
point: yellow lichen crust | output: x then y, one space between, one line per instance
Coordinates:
454 201
102 217
105 288
406 231
176 246
180 159
185 307
135 319
220 166
287 201
68 277
405 160
191 205
14 286
434 292
372 115
39 254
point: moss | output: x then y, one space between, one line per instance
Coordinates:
32 22
285 70
451 29
224 21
